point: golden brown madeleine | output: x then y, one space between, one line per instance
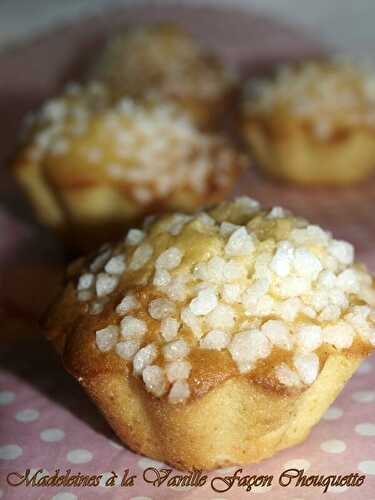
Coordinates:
91 165
217 338
314 122
162 61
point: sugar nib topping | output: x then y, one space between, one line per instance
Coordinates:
238 280
141 138
325 93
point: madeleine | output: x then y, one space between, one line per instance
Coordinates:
313 123
164 62
217 338
92 165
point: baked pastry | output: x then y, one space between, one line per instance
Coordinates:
314 122
162 61
217 338
91 165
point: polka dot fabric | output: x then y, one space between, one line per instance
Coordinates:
46 421
49 424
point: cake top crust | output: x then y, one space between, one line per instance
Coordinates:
238 290
173 65
327 94
148 149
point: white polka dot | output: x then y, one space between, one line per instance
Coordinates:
261 489
365 429
64 496
333 413
79 456
228 471
52 435
337 489
106 477
42 472
10 452
6 397
145 463
368 467
115 445
297 463
333 446
364 396
364 369
140 498
181 488
27 415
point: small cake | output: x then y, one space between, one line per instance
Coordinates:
91 165
314 122
217 338
163 61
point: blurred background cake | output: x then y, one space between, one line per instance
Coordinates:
92 165
313 122
163 61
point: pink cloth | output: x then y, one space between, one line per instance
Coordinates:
46 420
